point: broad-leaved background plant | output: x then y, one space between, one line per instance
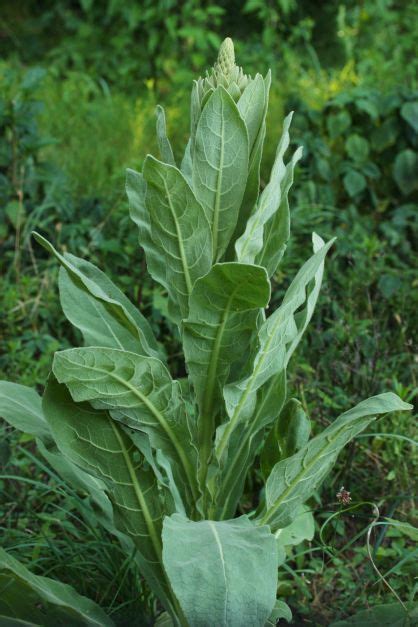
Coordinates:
163 462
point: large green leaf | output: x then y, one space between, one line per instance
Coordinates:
91 302
220 166
43 601
101 448
179 229
223 573
293 480
273 203
276 336
224 306
139 392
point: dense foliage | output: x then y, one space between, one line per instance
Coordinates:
73 114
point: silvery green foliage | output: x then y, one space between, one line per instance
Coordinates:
163 464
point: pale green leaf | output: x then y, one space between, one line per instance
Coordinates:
98 308
136 189
101 447
276 336
268 229
272 203
293 480
301 528
187 164
223 573
179 229
50 603
253 180
220 166
245 443
251 107
139 392
166 152
21 407
222 320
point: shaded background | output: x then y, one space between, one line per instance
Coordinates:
79 82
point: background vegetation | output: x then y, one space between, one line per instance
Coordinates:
79 83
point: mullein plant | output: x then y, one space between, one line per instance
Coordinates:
163 462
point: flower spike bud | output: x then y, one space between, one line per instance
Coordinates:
226 58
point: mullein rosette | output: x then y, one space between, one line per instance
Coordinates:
163 462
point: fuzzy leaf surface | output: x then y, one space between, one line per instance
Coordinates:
179 229
164 145
273 202
93 304
214 568
220 166
293 480
224 306
139 392
252 118
101 447
275 336
136 189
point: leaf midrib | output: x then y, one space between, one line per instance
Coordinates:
138 493
231 424
161 421
221 555
330 440
183 257
207 404
215 224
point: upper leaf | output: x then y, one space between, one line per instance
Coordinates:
223 573
220 166
254 112
263 239
136 188
179 229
